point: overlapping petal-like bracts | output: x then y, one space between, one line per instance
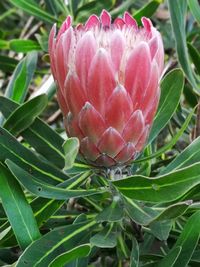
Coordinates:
108 84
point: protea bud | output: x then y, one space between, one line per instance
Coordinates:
108 84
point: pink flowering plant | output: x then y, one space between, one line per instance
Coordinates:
108 84
99 133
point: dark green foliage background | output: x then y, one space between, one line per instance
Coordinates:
55 211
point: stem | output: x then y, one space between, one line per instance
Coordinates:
7 13
121 243
96 206
197 128
137 229
89 216
79 180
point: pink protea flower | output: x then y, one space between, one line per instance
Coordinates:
108 84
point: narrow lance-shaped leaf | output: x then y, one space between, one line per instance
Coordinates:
17 209
25 115
106 238
43 251
25 158
122 7
23 46
39 135
43 208
45 190
134 253
178 10
21 78
145 215
32 8
140 214
112 213
170 259
187 240
172 142
195 56
73 254
5 232
194 7
18 86
173 211
188 156
171 89
161 230
7 64
147 10
71 148
4 44
164 188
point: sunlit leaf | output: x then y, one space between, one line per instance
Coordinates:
165 188
17 209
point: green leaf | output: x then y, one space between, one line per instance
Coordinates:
164 188
7 64
39 135
138 213
195 56
46 142
145 215
178 11
171 89
188 156
5 232
112 213
187 240
57 6
17 209
43 42
44 208
7 106
173 211
51 6
196 256
93 7
134 254
7 13
171 258
25 115
32 8
38 188
190 96
161 230
194 8
9 239
147 10
23 46
74 6
21 78
125 5
172 142
4 44
47 248
73 254
105 238
71 148
11 149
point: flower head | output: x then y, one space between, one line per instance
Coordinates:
108 84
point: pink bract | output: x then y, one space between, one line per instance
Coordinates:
108 84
